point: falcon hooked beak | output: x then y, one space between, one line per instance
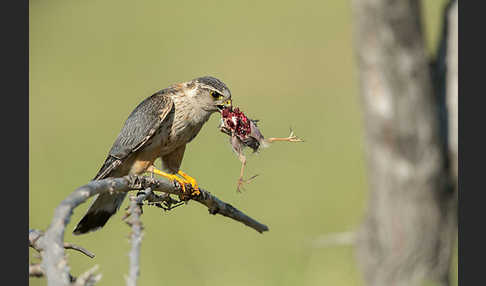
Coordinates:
225 104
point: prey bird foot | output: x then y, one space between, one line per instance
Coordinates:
293 138
290 138
239 185
242 182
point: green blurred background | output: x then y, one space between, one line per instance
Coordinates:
287 63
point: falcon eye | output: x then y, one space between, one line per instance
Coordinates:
215 95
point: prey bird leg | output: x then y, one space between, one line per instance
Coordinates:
240 179
291 138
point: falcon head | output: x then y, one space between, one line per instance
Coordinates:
211 93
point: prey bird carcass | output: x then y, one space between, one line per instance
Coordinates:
244 132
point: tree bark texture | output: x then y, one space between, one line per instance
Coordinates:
411 221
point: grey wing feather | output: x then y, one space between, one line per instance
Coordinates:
109 165
139 127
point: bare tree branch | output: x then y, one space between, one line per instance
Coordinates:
88 278
35 239
79 248
214 205
36 242
134 212
35 270
54 262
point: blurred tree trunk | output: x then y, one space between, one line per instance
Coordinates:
410 226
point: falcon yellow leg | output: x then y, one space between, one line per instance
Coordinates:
191 181
172 177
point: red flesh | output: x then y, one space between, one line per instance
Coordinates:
242 127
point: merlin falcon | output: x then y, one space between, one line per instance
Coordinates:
159 127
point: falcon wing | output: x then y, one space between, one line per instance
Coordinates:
139 127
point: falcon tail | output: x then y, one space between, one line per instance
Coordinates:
103 207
